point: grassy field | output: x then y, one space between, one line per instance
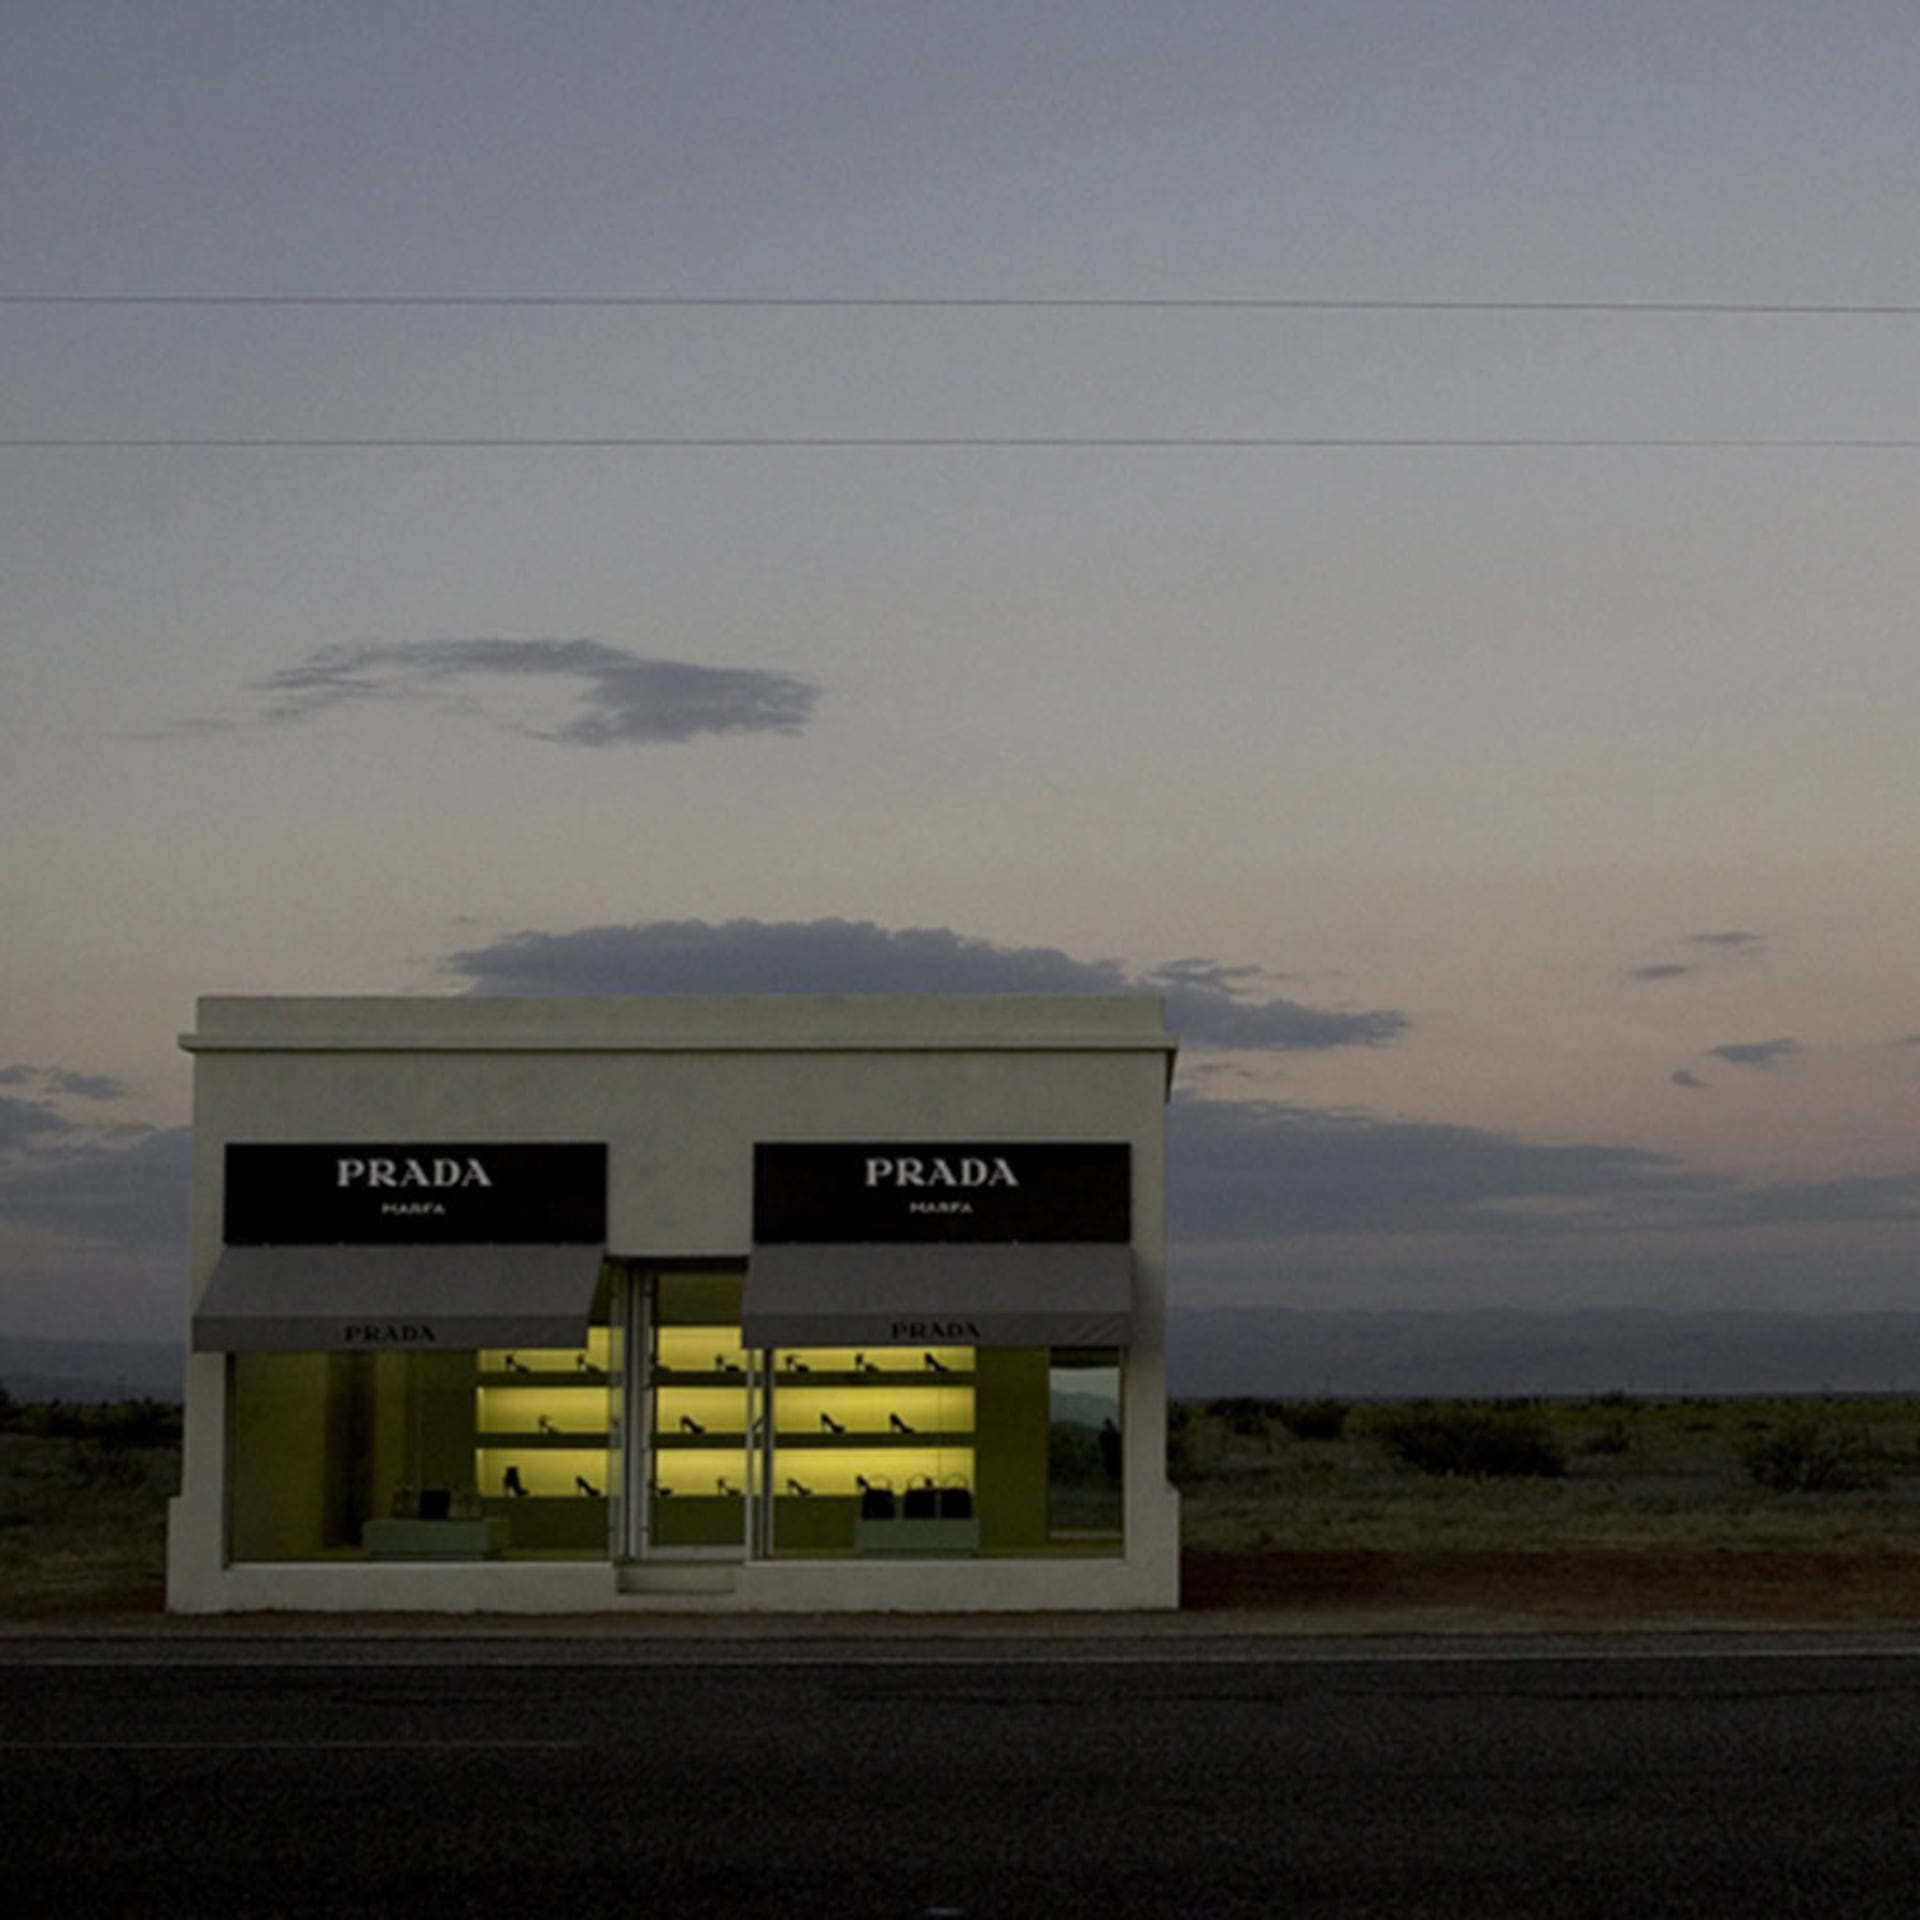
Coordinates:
83 1491
1638 1474
83 1502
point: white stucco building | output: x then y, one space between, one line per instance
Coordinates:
749 1304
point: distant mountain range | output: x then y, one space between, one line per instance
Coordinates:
1282 1354
91 1369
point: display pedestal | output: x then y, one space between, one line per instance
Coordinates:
433 1539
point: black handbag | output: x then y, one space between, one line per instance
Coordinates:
956 1499
922 1501
876 1501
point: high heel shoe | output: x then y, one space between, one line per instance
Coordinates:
828 1424
935 1364
721 1364
731 1492
510 1480
897 1424
545 1425
592 1492
861 1364
794 1486
688 1424
513 1365
796 1365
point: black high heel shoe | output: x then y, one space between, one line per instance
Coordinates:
828 1424
510 1480
861 1364
794 1486
545 1425
731 1492
688 1424
592 1492
897 1424
935 1364
514 1366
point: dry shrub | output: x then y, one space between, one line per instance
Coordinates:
1480 1442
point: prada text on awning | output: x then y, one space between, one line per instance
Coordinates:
348 1299
1063 1295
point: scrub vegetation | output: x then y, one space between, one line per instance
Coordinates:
1824 1483
83 1502
1611 1472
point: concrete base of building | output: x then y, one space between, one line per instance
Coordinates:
198 1583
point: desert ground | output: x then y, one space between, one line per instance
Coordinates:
1599 1514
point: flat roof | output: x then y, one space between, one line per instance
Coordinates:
682 1023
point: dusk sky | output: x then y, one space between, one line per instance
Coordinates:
1523 835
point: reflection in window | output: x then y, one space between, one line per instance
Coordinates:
1084 1448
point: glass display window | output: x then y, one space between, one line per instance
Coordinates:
433 1456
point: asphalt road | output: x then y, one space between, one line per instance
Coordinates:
527 1779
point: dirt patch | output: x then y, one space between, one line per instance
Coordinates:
1582 1587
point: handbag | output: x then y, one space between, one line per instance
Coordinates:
922 1500
956 1498
876 1500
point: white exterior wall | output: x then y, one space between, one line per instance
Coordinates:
681 1089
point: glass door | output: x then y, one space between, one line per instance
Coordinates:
695 1485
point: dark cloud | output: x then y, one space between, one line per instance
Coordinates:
129 1193
1867 1197
1203 999
83 1086
1756 1053
1685 1079
1734 939
627 699
1206 1007
1241 1170
22 1121
1666 972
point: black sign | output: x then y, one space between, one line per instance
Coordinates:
424 1192
894 1192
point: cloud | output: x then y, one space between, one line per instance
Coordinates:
1865 1197
1756 1053
1204 1002
22 1121
1734 940
83 1086
1666 972
627 699
1243 1170
1685 1079
129 1193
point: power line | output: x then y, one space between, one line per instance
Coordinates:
1146 443
964 303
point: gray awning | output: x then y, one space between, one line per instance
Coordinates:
355 1299
1028 1295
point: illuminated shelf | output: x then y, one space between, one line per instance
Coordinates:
545 1377
497 1440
